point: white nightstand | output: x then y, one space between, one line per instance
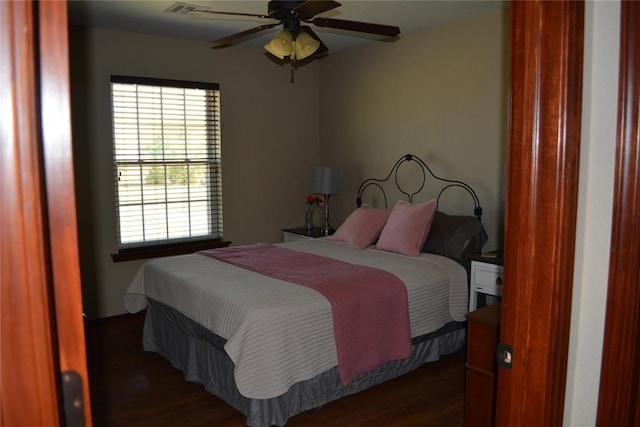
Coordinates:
486 278
295 234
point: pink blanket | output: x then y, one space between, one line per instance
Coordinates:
370 307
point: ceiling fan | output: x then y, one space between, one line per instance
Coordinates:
297 41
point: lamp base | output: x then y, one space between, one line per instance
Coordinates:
326 230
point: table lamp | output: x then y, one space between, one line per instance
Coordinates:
326 182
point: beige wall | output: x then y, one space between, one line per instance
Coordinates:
269 143
440 94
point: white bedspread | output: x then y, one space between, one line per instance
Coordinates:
279 333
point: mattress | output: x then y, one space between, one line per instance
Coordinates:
277 333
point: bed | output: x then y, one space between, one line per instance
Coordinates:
273 342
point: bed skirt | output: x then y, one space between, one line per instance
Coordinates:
199 354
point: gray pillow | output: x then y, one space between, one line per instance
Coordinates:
455 236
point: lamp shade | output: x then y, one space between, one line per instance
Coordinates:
305 45
281 45
326 180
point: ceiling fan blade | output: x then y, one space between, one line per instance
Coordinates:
363 27
254 15
311 8
234 38
322 49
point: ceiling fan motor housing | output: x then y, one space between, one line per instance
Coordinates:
281 9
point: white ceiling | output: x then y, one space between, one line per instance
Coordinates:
149 17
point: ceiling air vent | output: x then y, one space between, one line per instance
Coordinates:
183 8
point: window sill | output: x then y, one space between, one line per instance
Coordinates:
167 250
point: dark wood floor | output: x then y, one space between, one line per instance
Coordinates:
130 387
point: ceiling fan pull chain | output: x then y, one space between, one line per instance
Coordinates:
294 66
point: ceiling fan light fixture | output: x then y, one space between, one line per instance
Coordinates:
281 45
295 41
305 45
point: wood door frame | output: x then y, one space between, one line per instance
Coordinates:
42 329
545 106
619 396
27 339
57 158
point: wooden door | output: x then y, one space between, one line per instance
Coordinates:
41 332
542 186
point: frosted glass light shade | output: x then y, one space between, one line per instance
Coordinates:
281 45
305 45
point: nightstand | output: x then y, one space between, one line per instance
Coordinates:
483 329
486 278
295 234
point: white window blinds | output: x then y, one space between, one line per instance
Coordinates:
166 161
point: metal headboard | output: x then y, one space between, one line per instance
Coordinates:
477 211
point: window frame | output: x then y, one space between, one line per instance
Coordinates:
163 247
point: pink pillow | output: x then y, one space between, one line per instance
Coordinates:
362 227
407 228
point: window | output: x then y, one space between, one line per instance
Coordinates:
166 161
